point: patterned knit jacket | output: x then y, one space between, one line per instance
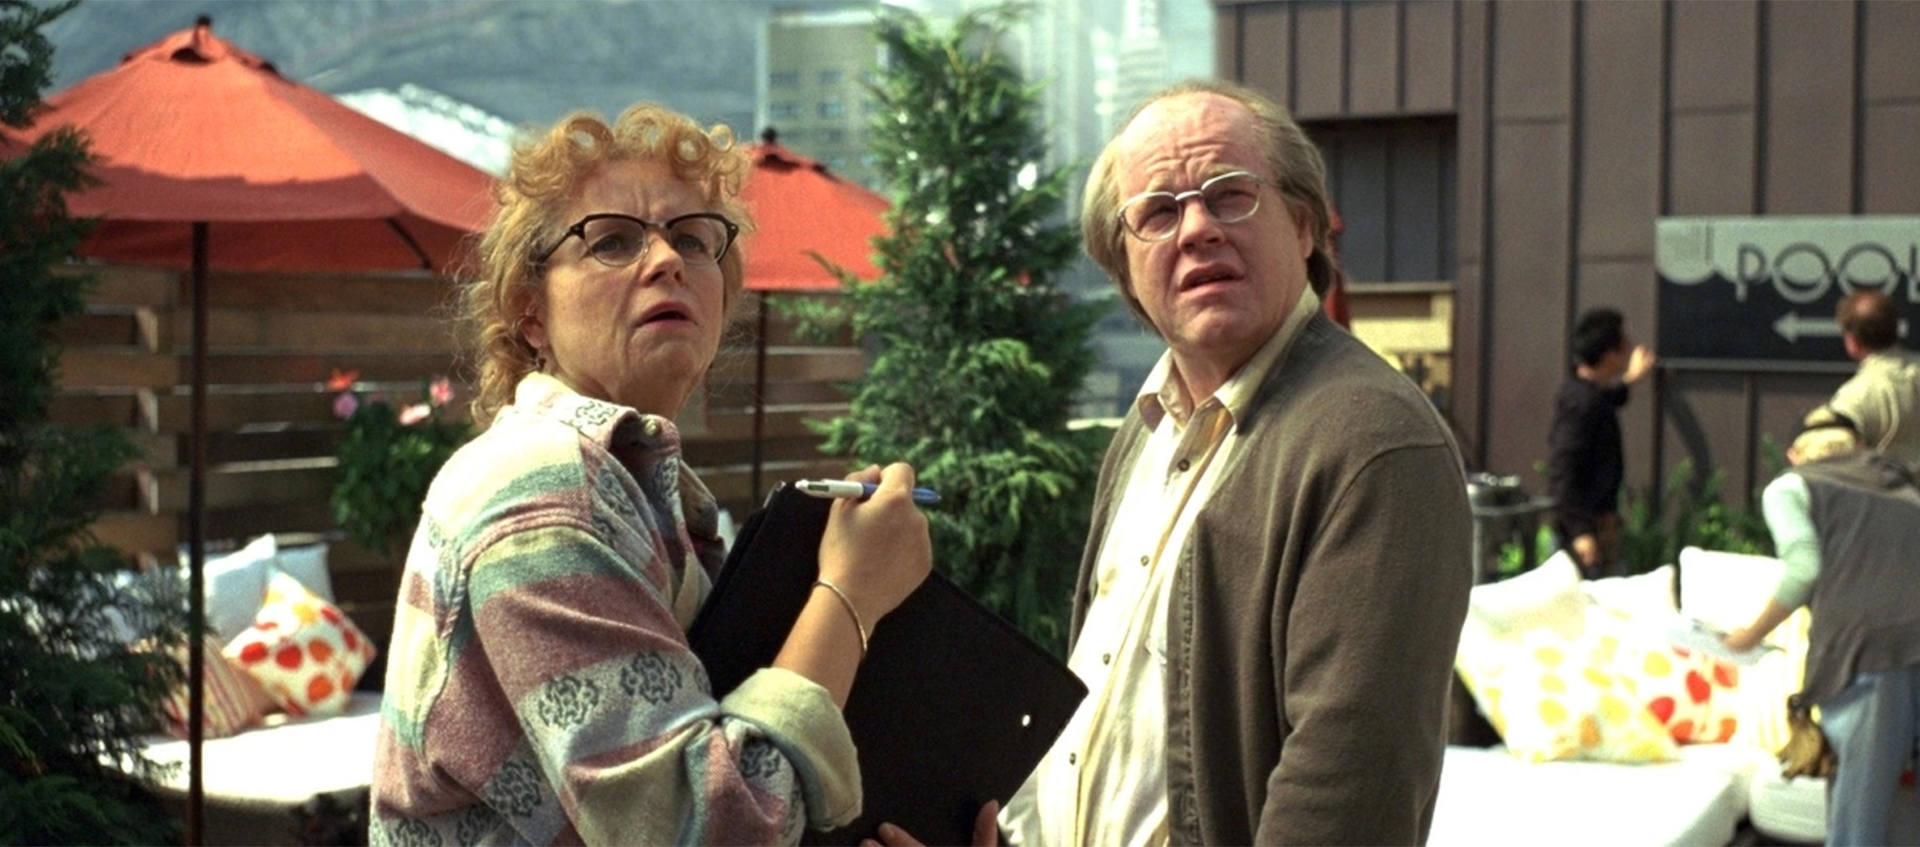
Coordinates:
540 689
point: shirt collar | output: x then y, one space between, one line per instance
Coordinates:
1162 395
623 430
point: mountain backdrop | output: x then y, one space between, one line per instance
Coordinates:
528 61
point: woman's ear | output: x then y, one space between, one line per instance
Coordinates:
533 327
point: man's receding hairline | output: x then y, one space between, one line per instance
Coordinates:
1125 144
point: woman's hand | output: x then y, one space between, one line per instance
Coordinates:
877 550
1743 639
986 831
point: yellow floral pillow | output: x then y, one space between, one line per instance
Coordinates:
1552 697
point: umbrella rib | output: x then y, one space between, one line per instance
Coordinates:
412 245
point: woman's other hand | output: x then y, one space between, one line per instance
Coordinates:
986 831
877 550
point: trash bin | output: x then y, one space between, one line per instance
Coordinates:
1503 513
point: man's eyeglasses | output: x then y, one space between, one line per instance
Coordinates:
1155 215
617 240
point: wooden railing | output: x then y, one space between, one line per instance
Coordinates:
273 341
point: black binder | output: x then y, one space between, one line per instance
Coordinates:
953 706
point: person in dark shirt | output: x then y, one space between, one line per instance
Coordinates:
1586 464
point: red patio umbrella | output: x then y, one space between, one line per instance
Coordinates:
209 157
803 214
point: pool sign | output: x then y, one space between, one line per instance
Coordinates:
1764 289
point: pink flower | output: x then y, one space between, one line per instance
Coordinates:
440 392
345 404
414 414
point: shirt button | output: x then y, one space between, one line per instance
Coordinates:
1143 561
1073 758
1184 464
1106 658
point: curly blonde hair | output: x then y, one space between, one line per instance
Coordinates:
545 173
1298 171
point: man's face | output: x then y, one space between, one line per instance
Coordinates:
1215 291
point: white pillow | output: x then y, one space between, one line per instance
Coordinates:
1647 597
1724 589
236 586
1547 596
1728 590
307 563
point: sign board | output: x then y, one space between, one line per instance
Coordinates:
1764 289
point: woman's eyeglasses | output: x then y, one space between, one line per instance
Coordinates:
617 240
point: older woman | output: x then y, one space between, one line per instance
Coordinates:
540 689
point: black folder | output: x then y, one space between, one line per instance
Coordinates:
952 707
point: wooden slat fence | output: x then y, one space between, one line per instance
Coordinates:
273 340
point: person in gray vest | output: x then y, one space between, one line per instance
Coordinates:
1883 397
1846 522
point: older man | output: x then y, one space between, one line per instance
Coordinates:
1279 560
1883 398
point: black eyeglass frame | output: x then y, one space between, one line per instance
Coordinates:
1180 204
579 230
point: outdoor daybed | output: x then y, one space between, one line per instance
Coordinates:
1577 722
289 728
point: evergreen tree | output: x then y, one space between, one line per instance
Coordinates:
72 691
979 353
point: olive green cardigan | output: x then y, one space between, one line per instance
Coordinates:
1316 608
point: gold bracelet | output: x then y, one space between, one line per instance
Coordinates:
851 612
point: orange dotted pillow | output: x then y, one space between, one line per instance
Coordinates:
1689 693
302 649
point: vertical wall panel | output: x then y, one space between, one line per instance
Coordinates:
1889 66
1710 165
1266 32
1470 319
1532 62
1890 172
1227 52
1704 421
1529 242
1429 61
1809 165
1618 161
1373 59
1713 57
1319 62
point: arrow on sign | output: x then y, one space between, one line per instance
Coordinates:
1793 327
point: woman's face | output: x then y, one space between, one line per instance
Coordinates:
641 335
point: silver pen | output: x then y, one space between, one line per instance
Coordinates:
857 490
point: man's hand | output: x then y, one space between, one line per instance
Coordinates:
1586 550
1640 363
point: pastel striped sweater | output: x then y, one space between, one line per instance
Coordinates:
540 689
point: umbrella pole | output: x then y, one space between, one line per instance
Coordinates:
759 393
196 532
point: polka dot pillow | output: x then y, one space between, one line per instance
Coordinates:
1551 698
1690 694
302 649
